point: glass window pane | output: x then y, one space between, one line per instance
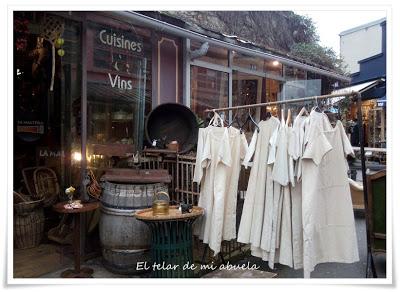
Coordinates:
209 89
293 73
301 84
247 89
47 122
255 64
215 55
247 62
118 91
273 68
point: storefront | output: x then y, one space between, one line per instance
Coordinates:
373 112
85 82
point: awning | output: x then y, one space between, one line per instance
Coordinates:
361 88
381 101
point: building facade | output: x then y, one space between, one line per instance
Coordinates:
85 82
368 62
367 65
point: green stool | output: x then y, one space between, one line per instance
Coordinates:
171 246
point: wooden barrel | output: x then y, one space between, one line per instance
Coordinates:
125 240
28 228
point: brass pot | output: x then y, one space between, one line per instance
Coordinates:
160 207
173 145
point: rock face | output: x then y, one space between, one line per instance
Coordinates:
276 30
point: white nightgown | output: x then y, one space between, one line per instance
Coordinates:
206 229
238 144
295 148
216 159
250 227
328 221
282 173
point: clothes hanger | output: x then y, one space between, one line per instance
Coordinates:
235 119
212 119
316 107
289 118
250 118
224 121
303 111
215 119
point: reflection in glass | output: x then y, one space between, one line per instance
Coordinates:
209 89
118 93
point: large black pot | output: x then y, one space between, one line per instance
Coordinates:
172 121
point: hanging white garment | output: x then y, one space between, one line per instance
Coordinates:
266 236
295 150
199 177
282 173
250 151
220 152
238 148
198 169
250 227
328 221
217 160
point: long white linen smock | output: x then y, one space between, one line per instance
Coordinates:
296 149
239 146
283 174
216 161
328 221
251 222
276 245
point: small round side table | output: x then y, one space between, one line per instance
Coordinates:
171 237
78 271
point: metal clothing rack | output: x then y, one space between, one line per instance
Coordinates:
355 96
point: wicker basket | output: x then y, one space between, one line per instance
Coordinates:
46 185
25 208
28 224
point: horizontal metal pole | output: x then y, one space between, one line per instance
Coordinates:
383 150
353 93
131 16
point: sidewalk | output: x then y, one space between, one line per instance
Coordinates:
329 270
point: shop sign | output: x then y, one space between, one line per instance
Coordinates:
46 152
119 40
33 127
117 82
124 49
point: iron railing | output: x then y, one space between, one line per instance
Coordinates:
183 189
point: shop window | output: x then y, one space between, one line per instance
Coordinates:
118 92
293 73
251 89
209 89
270 67
47 120
300 83
215 55
247 62
273 68
273 92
